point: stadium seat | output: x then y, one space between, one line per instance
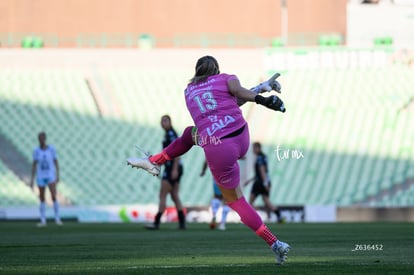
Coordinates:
345 122
14 192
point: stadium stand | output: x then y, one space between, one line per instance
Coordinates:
353 127
349 124
13 192
91 148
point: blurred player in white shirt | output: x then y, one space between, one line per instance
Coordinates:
46 168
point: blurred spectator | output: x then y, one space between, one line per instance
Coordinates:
370 1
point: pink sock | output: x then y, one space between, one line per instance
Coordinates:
247 214
180 145
159 158
267 235
250 218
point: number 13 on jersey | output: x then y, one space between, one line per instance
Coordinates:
206 102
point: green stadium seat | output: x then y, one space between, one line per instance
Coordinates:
14 192
344 121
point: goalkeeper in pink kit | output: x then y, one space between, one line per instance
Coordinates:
213 100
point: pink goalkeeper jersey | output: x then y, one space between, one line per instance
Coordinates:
213 108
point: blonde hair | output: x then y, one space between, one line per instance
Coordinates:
206 66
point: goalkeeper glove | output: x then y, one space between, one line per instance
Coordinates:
272 102
269 85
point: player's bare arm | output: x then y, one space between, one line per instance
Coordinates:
240 92
34 165
174 172
57 170
263 176
248 181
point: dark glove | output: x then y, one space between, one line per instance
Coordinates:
272 102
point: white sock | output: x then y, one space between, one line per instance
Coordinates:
42 210
225 211
56 208
215 205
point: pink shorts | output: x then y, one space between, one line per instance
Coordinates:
222 157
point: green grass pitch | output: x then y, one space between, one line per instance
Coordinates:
130 249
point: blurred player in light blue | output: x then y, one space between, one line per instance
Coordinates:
46 168
216 203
